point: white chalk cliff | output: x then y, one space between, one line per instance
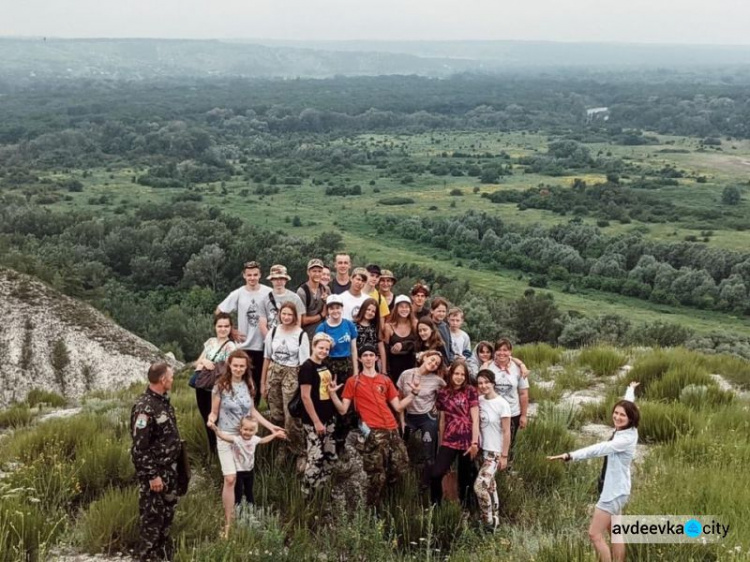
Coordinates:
54 342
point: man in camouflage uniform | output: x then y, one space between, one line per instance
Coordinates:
155 452
383 452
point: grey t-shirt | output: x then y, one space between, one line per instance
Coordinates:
461 344
249 307
507 385
290 349
272 303
430 384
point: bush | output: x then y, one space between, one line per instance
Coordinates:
396 201
456 192
571 379
698 397
604 361
110 524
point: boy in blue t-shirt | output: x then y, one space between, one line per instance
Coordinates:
342 360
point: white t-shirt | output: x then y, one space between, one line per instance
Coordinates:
507 385
249 307
490 427
461 344
287 349
271 307
244 452
352 304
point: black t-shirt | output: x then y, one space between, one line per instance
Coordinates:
337 289
318 377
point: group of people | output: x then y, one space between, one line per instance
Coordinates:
371 369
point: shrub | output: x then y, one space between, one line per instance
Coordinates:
103 462
396 201
456 192
604 361
698 397
110 524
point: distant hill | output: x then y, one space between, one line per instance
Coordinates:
134 59
53 342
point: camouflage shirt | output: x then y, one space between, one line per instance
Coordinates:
156 439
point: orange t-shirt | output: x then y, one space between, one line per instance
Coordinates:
371 396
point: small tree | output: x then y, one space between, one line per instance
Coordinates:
731 195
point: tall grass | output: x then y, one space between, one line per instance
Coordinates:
665 422
734 369
18 415
110 524
572 378
27 530
604 361
38 396
537 355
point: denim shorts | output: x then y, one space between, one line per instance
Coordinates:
615 506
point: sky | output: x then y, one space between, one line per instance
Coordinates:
723 22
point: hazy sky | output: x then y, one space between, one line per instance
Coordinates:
643 21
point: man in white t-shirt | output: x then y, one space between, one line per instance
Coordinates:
511 385
354 297
247 301
278 296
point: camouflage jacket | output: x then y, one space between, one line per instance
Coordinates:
156 439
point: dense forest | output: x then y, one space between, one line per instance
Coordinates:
160 269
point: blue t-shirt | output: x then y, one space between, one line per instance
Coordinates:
342 335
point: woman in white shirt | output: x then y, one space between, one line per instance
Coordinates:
286 348
614 481
494 439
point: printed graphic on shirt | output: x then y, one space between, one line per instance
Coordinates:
282 354
484 419
355 311
253 318
325 378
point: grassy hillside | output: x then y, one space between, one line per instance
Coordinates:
69 481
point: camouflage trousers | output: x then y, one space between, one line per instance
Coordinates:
349 478
320 457
156 513
282 383
485 488
341 369
384 459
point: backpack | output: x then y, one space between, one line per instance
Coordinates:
308 294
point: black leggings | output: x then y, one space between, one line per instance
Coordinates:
244 486
466 474
203 398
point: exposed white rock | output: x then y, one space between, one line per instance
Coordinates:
93 352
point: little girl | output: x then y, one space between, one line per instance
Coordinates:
243 450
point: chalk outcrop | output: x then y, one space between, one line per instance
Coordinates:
54 342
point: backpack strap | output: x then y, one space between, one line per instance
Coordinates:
308 294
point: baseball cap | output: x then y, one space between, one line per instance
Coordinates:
400 299
278 272
334 299
315 263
